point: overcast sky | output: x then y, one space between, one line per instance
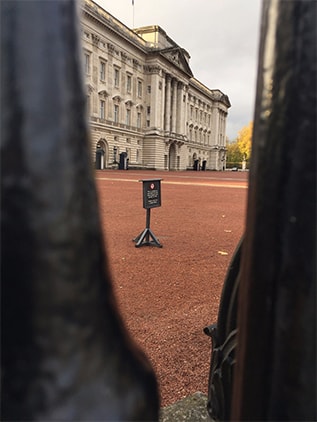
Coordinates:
221 36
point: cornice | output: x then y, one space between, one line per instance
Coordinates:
94 12
213 94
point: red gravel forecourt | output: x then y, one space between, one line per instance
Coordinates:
167 295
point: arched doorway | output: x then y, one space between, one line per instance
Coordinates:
102 154
172 157
196 162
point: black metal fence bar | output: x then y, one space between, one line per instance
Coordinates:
65 353
275 376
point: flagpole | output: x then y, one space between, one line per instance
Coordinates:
132 14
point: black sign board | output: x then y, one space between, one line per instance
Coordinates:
151 199
151 193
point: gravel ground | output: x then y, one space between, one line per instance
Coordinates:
168 295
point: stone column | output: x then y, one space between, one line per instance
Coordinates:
180 108
220 127
162 81
185 111
215 118
174 105
167 119
156 99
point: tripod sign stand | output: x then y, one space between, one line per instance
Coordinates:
151 199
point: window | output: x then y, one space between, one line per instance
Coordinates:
102 109
116 78
128 117
138 121
139 88
87 64
102 69
129 83
149 89
148 111
116 113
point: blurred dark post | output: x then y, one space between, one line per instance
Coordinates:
275 375
65 353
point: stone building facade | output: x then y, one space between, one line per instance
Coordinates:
145 107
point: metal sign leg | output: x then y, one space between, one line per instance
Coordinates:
144 237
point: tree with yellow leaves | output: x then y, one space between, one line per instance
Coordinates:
239 151
244 141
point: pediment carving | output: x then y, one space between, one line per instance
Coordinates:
95 39
152 69
220 96
89 89
177 57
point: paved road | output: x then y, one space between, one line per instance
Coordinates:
221 179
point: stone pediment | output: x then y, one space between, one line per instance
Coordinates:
103 93
220 96
176 56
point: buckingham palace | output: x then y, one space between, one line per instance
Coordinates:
145 107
